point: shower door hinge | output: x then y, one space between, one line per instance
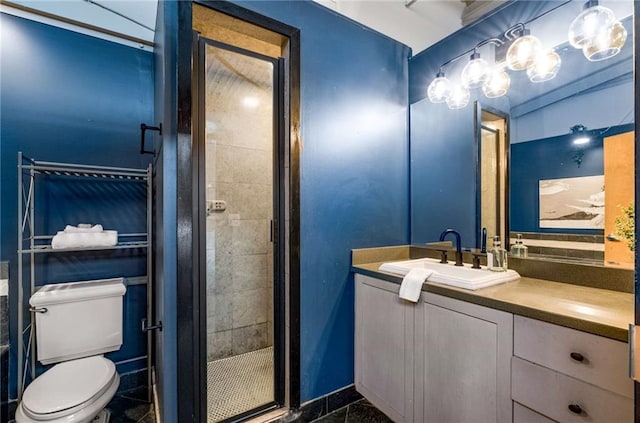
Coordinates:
146 328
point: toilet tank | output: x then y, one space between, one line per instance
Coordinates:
78 319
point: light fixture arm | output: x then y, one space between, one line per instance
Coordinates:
514 32
495 41
448 62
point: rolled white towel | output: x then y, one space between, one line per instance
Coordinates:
64 240
83 227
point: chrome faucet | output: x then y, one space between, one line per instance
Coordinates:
458 245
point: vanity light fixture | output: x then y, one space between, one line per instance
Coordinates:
523 51
597 32
475 72
439 89
579 135
607 43
459 98
497 84
584 28
545 66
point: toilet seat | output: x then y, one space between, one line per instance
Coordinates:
70 387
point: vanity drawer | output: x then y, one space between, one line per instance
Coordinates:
604 361
551 393
522 414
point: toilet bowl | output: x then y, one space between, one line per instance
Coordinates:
75 323
74 391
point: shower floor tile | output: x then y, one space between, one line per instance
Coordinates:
239 383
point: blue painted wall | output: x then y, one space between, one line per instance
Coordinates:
615 107
354 175
72 98
165 224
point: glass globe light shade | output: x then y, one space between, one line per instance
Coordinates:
545 67
475 72
440 89
606 44
586 25
522 53
459 97
497 84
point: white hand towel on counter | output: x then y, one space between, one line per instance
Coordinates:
412 284
83 228
84 239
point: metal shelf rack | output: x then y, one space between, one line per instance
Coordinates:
31 172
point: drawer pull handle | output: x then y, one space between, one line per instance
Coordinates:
577 356
575 408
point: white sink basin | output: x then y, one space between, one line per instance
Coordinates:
450 274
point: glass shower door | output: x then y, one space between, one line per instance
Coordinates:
238 99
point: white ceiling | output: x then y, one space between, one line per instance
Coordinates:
91 13
419 25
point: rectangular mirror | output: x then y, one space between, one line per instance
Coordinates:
569 154
554 189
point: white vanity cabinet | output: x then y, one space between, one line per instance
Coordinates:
463 359
384 348
444 360
568 375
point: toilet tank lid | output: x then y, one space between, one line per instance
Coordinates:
77 291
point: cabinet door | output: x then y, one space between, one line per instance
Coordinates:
462 362
384 347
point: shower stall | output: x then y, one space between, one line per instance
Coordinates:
240 129
229 104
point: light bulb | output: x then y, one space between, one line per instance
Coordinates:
586 25
475 72
522 52
440 89
607 43
497 84
459 97
545 66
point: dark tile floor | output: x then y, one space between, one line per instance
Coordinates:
361 411
131 407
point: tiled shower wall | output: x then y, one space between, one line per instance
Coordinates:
239 250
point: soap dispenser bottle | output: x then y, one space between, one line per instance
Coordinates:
519 249
497 256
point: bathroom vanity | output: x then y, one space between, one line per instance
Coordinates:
526 351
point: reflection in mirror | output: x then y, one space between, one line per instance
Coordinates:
493 141
558 199
557 187
599 95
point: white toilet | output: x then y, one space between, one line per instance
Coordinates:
75 324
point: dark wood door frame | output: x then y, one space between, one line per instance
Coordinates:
191 303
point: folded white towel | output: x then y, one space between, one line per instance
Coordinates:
84 239
83 227
412 284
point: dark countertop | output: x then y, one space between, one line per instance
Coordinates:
599 311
